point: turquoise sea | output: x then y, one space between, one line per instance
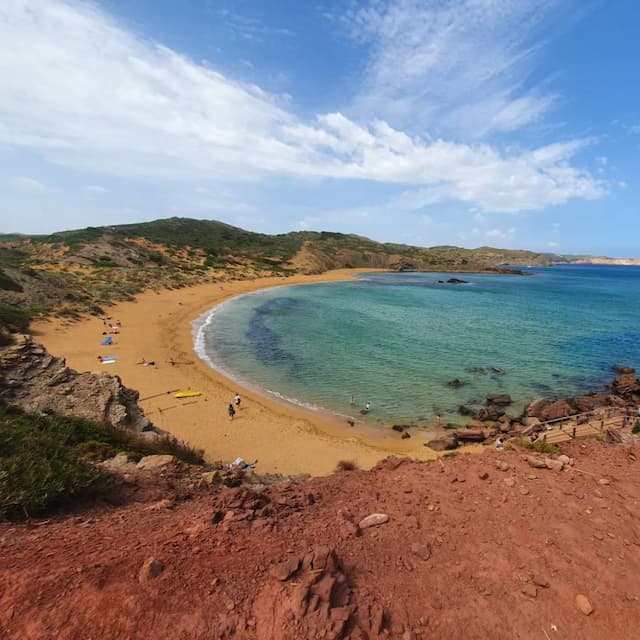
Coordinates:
396 340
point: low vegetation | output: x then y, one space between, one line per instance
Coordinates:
47 461
539 446
347 465
84 271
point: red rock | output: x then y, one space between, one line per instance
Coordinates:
150 569
423 551
583 604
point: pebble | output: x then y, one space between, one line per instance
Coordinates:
151 568
510 482
539 581
423 551
501 465
373 520
524 491
484 475
530 590
604 482
583 604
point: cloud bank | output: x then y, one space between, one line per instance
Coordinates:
88 94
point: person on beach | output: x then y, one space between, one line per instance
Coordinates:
438 421
232 411
499 444
352 400
237 400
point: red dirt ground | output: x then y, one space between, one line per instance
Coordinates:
288 561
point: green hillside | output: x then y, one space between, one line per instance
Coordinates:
85 270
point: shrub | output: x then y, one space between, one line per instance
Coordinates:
539 446
636 427
94 451
347 465
45 460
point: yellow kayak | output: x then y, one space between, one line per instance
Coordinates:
187 394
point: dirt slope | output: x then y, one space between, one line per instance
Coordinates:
469 551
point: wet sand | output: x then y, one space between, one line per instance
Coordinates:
283 437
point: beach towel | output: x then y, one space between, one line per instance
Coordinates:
187 394
108 359
107 340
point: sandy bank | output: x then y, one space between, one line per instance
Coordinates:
283 437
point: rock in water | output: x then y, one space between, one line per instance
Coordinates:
373 520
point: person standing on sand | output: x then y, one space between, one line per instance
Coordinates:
237 400
438 421
352 400
232 411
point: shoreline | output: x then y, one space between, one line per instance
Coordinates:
284 437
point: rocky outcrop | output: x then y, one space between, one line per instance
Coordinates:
36 381
627 384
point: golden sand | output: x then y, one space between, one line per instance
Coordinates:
284 438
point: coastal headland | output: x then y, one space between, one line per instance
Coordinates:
157 327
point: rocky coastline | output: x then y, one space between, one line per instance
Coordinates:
495 418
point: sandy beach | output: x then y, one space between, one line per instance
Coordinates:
283 437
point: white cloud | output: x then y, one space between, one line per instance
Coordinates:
455 65
87 94
95 189
553 244
500 234
24 183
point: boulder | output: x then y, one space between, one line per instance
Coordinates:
470 435
456 281
150 463
489 412
618 368
590 401
626 384
463 410
501 399
556 410
446 443
399 427
455 383
536 407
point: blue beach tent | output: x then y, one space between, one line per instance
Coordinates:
107 340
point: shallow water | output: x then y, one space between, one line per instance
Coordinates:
397 339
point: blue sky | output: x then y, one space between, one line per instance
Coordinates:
510 123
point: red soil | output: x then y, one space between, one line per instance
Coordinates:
460 557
